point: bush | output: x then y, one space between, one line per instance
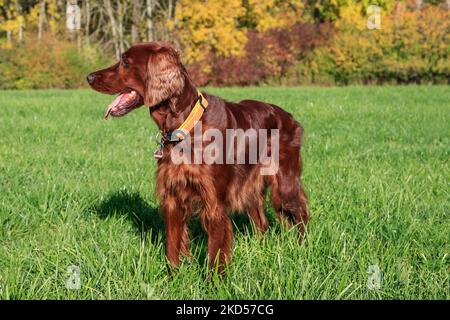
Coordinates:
268 56
412 46
47 64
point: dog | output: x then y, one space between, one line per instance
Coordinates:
152 74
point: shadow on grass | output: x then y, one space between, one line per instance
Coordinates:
144 216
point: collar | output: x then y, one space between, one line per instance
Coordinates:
190 122
183 130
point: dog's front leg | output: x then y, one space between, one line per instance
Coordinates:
177 237
220 237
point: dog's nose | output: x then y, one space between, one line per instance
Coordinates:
91 78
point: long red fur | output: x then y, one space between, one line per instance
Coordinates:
212 191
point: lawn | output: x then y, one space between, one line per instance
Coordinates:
76 190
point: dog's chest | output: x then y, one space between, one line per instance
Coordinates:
185 182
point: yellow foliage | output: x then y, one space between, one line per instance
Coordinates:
33 16
350 17
214 25
53 15
272 14
210 26
14 20
409 44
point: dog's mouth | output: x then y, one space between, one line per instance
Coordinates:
123 104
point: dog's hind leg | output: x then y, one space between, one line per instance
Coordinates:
256 213
288 196
185 242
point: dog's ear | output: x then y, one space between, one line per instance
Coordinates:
164 78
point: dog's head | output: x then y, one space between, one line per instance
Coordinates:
147 74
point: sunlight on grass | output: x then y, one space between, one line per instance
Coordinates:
77 190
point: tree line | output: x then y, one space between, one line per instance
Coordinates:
115 24
281 41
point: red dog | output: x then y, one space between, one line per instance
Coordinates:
152 74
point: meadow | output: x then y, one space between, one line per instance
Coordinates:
76 190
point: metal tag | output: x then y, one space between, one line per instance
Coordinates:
158 154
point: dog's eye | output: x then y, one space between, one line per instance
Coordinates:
125 63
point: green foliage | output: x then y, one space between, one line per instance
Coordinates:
76 190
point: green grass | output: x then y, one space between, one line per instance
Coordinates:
77 190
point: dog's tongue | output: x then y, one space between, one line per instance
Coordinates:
124 100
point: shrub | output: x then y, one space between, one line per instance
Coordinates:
268 56
411 46
47 64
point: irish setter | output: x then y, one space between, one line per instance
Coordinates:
151 74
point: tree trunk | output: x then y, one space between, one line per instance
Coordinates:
170 10
21 31
87 19
120 14
79 40
21 26
135 21
9 36
113 23
41 20
419 4
149 20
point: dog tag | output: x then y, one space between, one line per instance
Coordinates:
158 154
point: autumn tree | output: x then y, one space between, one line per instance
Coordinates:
214 26
12 19
264 15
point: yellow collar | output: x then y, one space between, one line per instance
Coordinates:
192 119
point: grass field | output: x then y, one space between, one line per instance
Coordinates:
77 190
